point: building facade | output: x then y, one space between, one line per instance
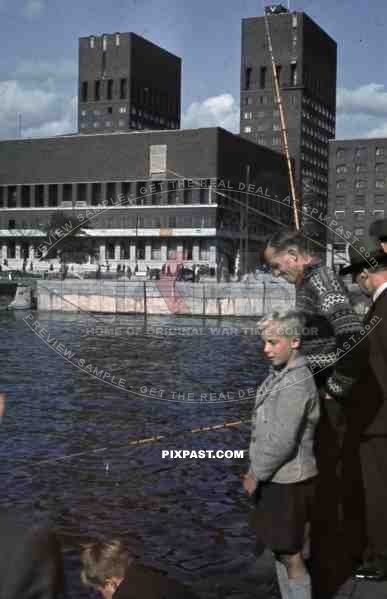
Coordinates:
306 63
357 188
141 196
127 83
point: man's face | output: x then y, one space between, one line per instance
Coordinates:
363 279
284 264
278 349
110 587
384 245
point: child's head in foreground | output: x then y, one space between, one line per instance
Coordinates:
281 332
104 566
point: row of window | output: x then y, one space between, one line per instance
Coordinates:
314 161
104 41
318 107
359 215
123 253
105 220
314 148
260 78
361 152
329 130
359 200
133 124
314 175
361 184
268 100
49 195
342 169
104 90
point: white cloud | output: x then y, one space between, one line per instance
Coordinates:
369 99
43 71
216 111
33 8
362 111
43 112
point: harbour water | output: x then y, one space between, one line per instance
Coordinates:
189 516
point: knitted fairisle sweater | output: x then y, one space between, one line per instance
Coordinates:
332 338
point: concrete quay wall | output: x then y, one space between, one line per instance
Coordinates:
127 297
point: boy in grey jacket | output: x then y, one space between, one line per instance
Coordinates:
283 468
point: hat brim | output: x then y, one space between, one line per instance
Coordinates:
359 266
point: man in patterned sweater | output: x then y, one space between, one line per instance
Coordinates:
332 345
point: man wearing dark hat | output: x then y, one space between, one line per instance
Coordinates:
366 434
378 230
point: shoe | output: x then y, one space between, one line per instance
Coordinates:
370 572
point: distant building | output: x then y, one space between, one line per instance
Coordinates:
306 62
127 83
163 192
357 187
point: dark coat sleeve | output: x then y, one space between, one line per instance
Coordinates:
31 565
378 343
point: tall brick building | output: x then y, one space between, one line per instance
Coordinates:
306 62
127 83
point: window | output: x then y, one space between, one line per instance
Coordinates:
379 199
171 221
25 196
83 112
39 195
261 140
81 192
123 88
123 109
109 123
293 73
248 73
261 127
96 124
359 232
156 250
340 170
264 99
97 90
379 152
340 184
380 167
248 100
84 91
262 77
361 152
339 214
117 39
104 43
360 168
276 141
340 201
11 224
121 123
52 195
109 89
92 42
248 115
67 192
247 129
260 114
359 215
294 20
360 184
379 214
278 69
380 183
277 127
340 154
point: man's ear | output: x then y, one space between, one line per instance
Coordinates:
295 343
293 253
384 246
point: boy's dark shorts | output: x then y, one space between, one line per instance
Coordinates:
281 513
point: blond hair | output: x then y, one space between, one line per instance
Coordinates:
290 322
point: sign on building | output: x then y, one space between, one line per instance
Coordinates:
157 160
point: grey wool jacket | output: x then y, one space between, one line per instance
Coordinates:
284 421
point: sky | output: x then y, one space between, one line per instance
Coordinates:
39 59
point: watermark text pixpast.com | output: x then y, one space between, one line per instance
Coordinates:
218 454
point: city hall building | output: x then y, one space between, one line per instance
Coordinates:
143 195
141 187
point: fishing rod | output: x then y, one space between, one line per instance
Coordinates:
283 123
131 443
